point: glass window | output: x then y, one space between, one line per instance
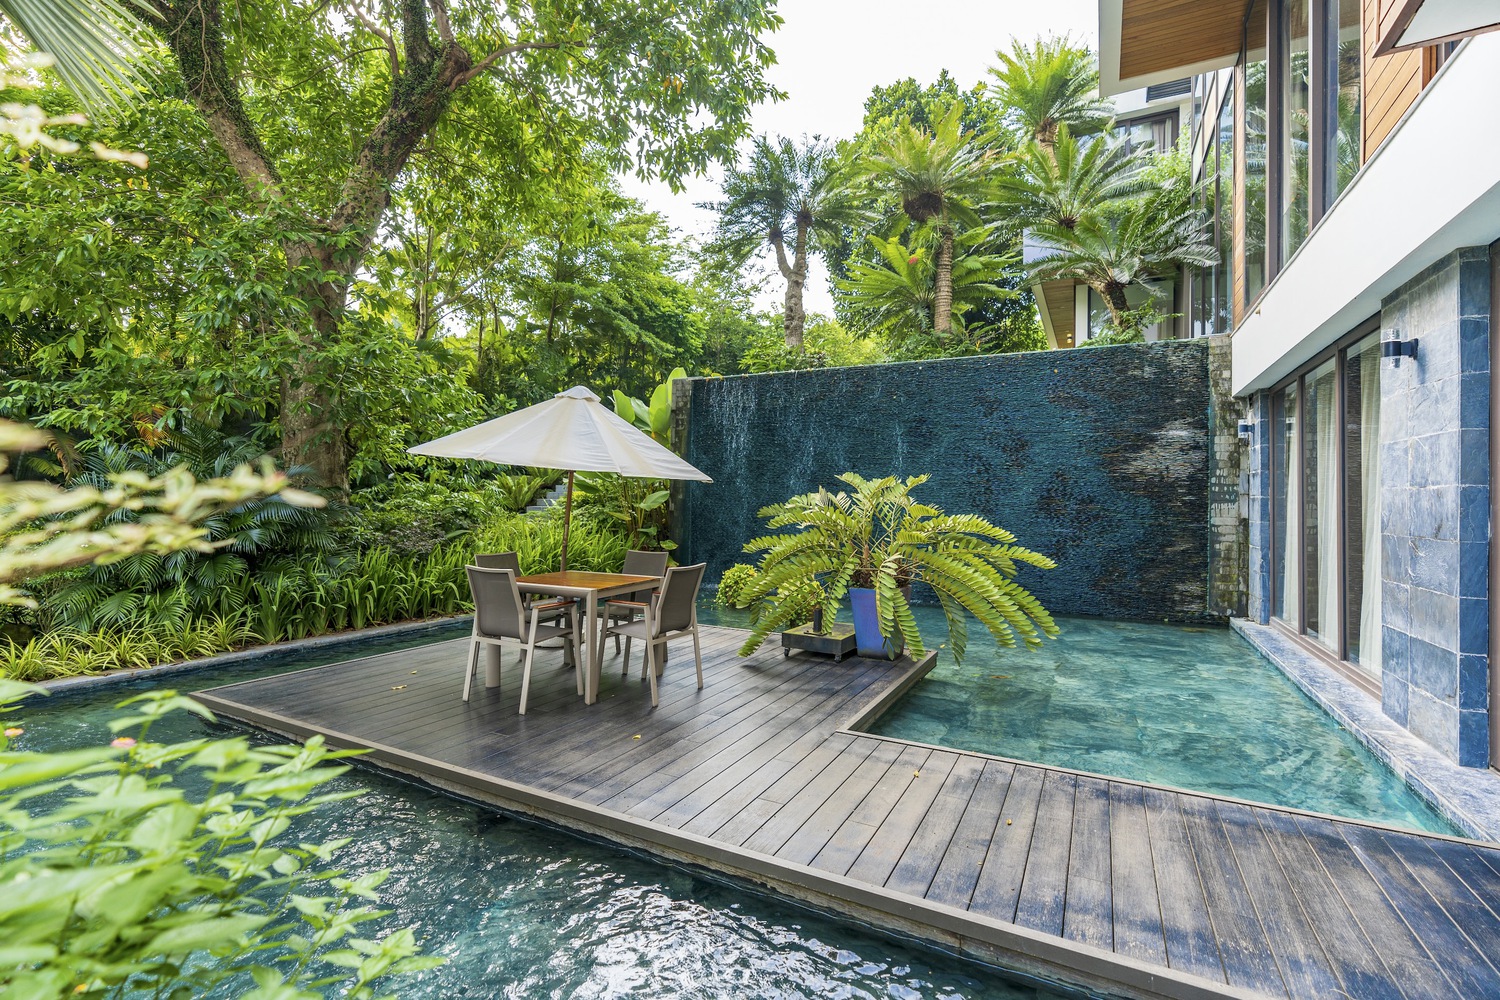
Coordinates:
1362 563
1254 131
1285 517
1347 132
1224 212
1320 510
1295 125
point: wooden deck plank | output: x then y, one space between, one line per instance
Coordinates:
1361 971
1411 964
975 840
921 857
1442 909
1294 942
1136 908
1187 890
1088 915
997 890
850 838
800 828
1044 887
1243 947
878 859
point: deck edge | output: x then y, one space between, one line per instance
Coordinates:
1008 945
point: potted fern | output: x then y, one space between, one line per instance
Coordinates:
872 544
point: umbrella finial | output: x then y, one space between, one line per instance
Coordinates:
578 392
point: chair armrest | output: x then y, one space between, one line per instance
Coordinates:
563 603
627 604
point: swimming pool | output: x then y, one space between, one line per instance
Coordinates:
1194 708
525 910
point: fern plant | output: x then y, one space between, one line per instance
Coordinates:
880 537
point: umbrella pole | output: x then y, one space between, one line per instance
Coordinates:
567 520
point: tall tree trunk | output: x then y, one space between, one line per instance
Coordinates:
942 297
1114 297
429 75
794 318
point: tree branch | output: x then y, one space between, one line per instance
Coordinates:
441 22
419 50
499 54
385 36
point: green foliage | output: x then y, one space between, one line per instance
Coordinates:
826 344
907 102
881 537
174 869
897 297
1047 85
732 585
1130 328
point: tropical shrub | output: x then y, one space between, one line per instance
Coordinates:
882 538
796 604
170 869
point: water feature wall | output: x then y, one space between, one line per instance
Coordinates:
1098 457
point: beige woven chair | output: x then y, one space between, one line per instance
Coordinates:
501 616
669 614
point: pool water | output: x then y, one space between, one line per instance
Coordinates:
529 911
1194 708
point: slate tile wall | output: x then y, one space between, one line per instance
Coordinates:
1435 476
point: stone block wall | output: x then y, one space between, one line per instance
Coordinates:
1435 491
1227 553
1258 504
1098 457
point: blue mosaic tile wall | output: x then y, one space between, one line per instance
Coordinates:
1098 457
1435 476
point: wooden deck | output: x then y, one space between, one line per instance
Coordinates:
765 774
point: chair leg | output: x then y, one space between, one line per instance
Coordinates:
576 646
617 642
698 657
530 655
651 670
469 673
624 660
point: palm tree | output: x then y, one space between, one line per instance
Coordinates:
784 194
1125 245
1072 182
897 296
96 46
940 178
1047 85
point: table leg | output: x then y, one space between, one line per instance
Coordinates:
492 654
595 652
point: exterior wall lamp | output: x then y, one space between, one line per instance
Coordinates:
1246 429
1396 349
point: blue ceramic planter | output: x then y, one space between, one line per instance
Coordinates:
867 638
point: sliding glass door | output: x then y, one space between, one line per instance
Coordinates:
1325 503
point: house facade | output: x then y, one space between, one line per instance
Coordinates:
1347 154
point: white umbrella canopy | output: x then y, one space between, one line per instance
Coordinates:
572 431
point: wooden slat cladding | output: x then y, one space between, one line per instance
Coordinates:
1158 35
1057 299
1391 82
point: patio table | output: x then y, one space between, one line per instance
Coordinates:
591 588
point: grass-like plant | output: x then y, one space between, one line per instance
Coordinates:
880 537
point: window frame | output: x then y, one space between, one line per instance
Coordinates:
1296 627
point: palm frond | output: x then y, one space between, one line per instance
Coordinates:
100 49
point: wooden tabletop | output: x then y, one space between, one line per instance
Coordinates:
586 581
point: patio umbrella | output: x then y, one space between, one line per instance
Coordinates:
573 432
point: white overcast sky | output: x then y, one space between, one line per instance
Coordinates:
830 53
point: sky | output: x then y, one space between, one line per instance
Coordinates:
830 53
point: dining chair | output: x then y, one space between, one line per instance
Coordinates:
501 616
670 614
628 606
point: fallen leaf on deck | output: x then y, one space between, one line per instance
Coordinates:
399 687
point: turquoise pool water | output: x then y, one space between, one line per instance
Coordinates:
527 911
1194 708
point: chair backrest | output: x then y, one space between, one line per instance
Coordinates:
497 602
679 594
639 563
499 560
